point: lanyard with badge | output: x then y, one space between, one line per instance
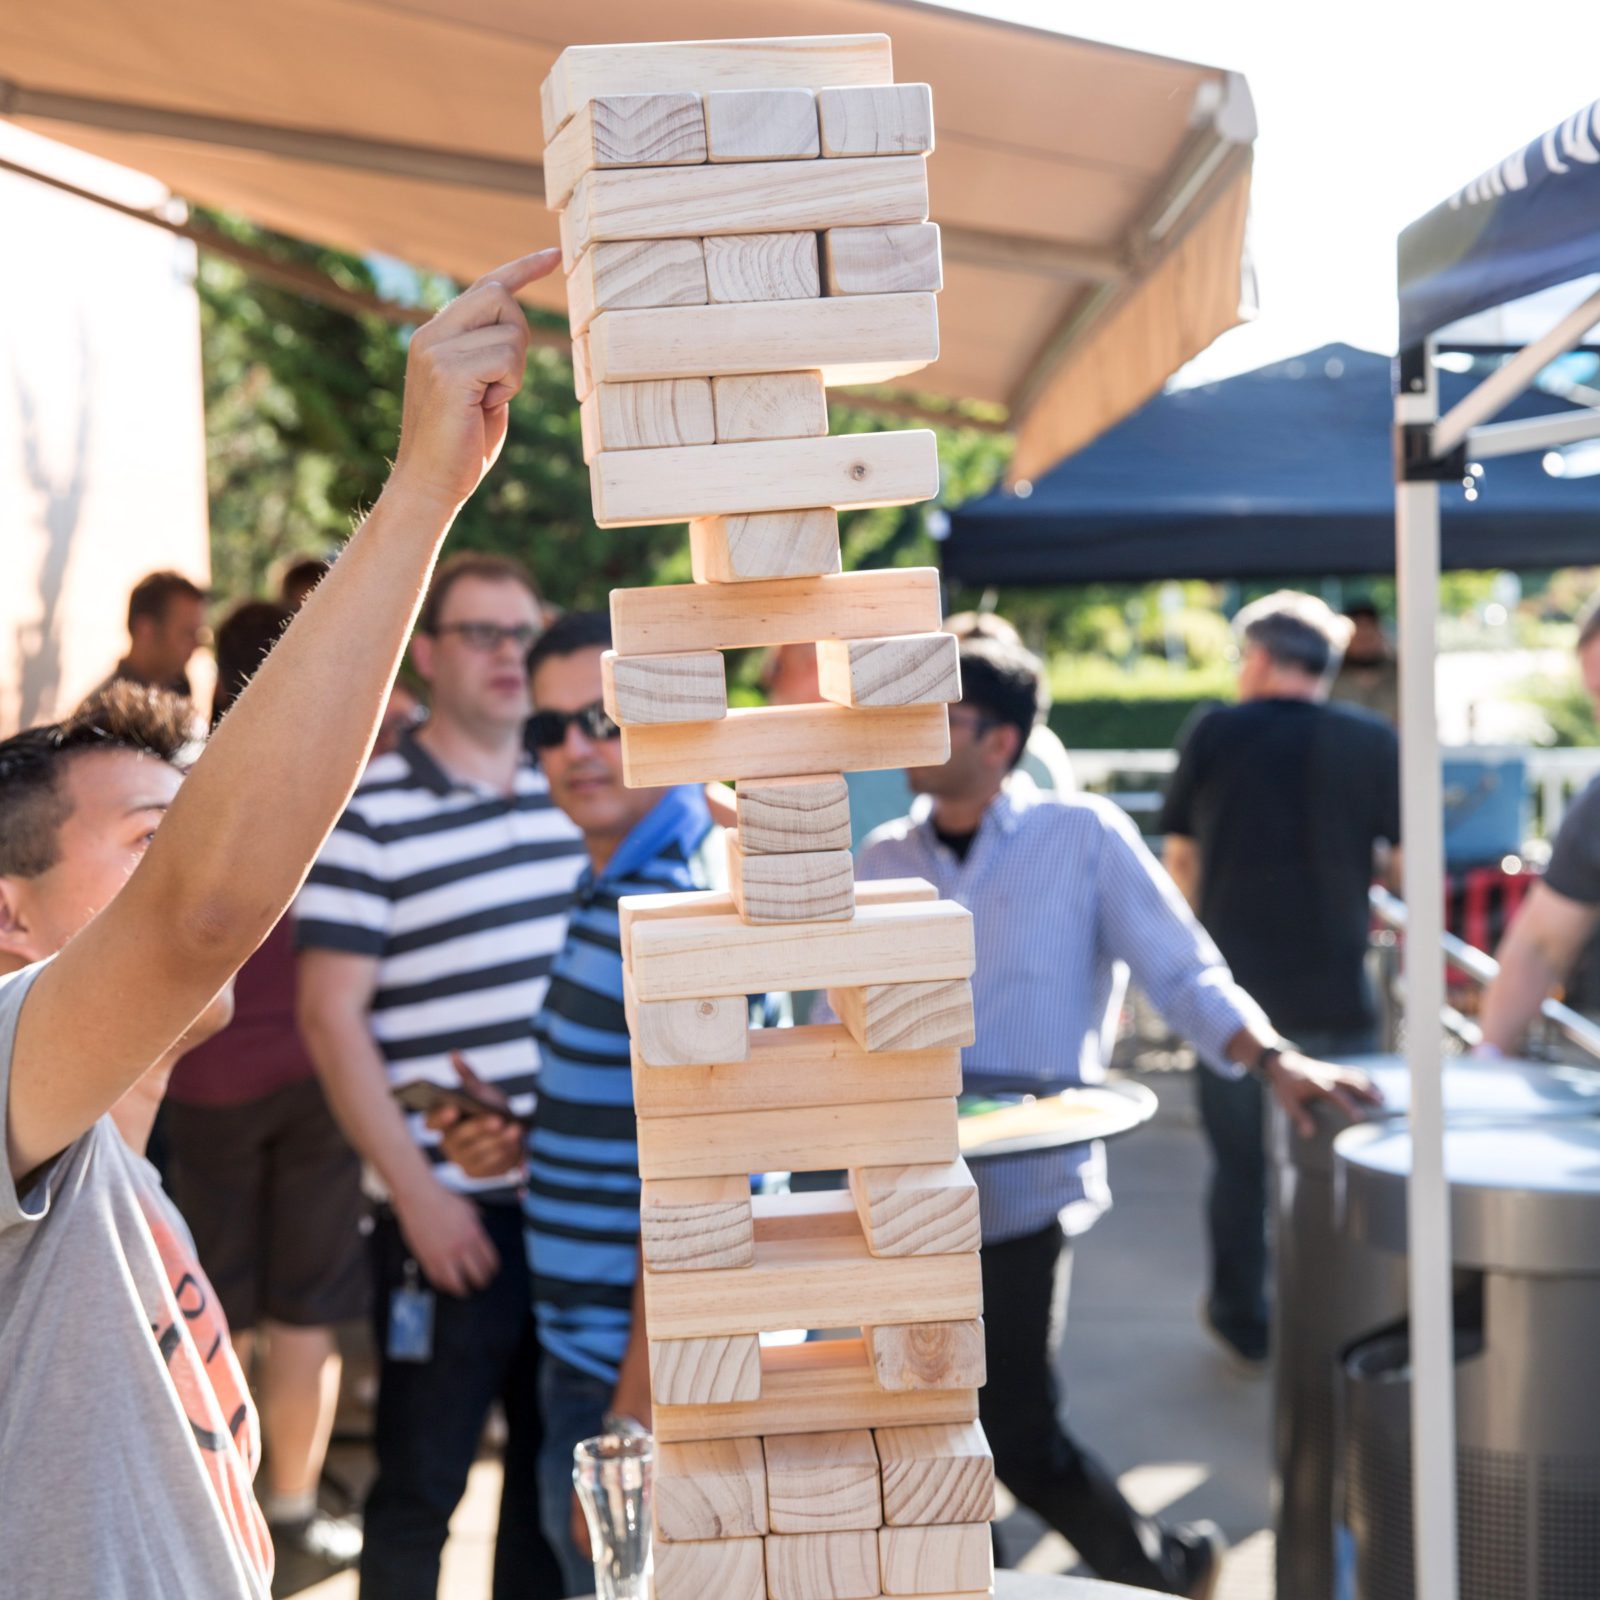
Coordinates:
411 1318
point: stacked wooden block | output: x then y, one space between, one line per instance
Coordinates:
744 223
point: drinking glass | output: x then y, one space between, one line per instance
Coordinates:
612 1473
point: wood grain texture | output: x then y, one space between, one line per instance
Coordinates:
823 1482
762 125
936 1473
667 689
907 1016
793 1069
800 886
821 1214
928 1560
800 1139
730 1569
769 741
625 130
762 266
765 544
902 258
813 1388
632 488
700 1372
747 197
582 368
770 405
892 119
687 1033
914 669
714 1489
696 1224
846 605
645 416
823 1566
928 1355
780 815
917 1210
635 274
581 72
682 958
849 339
675 905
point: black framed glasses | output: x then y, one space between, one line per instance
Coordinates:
489 636
547 730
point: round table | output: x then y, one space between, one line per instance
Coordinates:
1026 1586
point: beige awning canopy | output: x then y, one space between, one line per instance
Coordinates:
1093 200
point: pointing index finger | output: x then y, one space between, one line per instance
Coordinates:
524 270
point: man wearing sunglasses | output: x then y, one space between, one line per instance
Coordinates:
429 925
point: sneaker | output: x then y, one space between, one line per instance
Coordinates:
313 1549
1196 1550
1247 1357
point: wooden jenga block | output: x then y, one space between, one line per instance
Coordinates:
624 130
846 605
799 1139
762 125
790 1069
715 1489
770 405
644 416
917 1210
765 544
902 258
823 1214
666 689
823 1482
939 1473
696 1224
701 1372
779 815
582 368
566 232
907 1016
762 266
674 906
750 197
928 1355
803 886
583 71
813 1388
687 1033
849 339
681 958
937 1560
823 1566
730 1569
635 274
891 119
914 669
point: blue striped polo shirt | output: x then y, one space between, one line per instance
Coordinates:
581 1200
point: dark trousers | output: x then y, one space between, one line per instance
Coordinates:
430 1422
1233 1112
1025 1283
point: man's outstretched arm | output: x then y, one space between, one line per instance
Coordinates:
1540 948
236 844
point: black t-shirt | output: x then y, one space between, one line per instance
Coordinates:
1574 869
1286 799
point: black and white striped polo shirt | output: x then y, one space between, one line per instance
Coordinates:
461 894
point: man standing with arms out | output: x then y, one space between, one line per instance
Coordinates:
127 1443
429 924
582 1195
1064 899
1273 820
166 625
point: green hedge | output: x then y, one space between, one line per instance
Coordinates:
1107 724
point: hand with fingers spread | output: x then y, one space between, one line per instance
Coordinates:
483 1146
463 368
1300 1083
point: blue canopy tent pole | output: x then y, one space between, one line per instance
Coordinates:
1529 224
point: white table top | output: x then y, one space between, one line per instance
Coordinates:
1027 1586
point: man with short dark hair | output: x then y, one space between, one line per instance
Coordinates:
1065 899
1273 821
1368 676
166 625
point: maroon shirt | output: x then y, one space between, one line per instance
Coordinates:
260 1050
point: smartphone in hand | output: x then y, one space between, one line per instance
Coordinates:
422 1095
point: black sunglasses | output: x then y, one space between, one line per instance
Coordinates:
548 729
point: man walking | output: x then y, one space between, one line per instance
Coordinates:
1272 822
1065 899
430 923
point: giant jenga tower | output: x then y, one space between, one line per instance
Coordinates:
743 223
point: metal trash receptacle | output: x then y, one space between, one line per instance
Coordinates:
1525 1220
1332 1290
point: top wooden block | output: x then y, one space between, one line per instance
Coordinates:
624 130
583 71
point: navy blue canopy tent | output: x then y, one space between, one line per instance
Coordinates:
1282 472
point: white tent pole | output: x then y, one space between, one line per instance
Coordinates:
1433 1422
1534 433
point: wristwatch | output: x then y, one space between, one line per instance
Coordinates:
1262 1066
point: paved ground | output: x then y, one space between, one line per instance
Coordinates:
1189 1438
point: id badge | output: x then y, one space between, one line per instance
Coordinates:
411 1319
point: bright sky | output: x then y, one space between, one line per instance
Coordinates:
1371 112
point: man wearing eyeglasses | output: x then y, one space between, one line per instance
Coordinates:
430 924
